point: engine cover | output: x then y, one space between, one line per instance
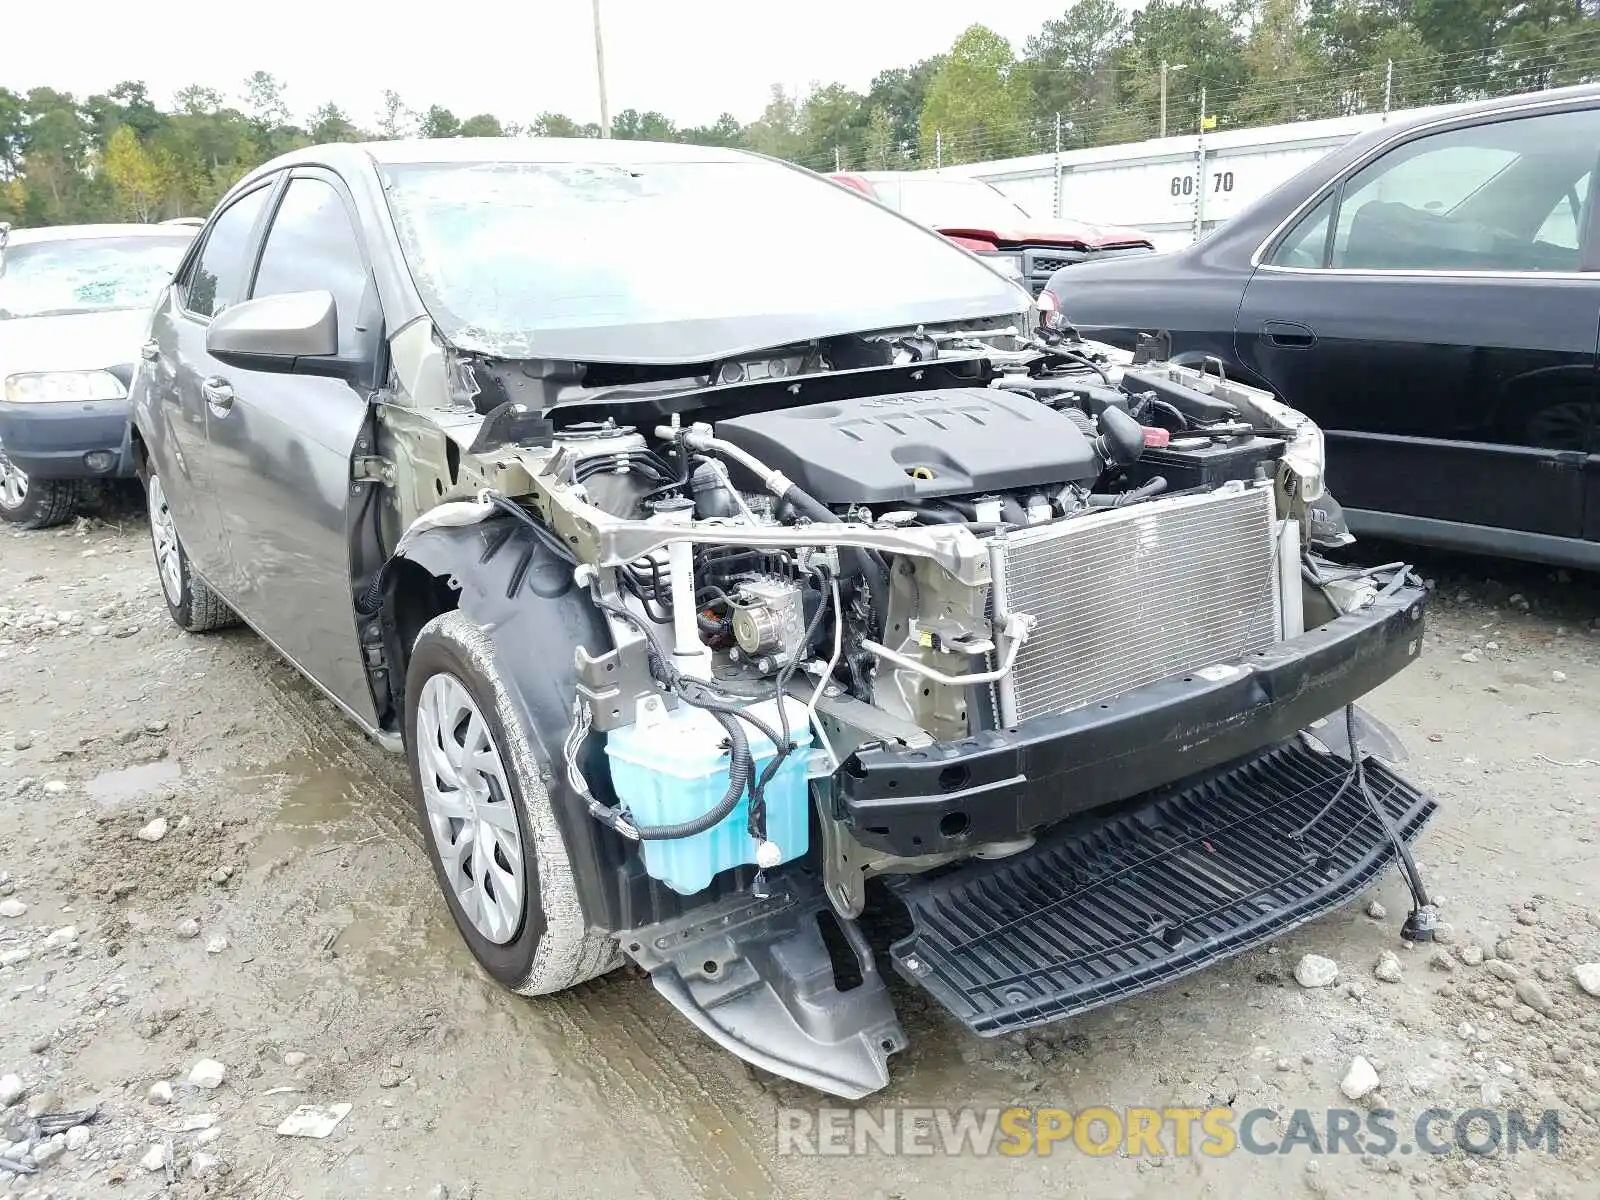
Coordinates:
917 445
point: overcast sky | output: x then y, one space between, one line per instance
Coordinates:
691 60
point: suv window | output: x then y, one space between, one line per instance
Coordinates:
1502 196
313 247
218 276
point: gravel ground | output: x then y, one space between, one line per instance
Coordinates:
207 873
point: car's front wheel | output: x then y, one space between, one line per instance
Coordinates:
35 503
487 820
193 606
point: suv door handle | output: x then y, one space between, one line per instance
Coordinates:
150 351
1291 335
218 393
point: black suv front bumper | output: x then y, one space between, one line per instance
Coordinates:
999 785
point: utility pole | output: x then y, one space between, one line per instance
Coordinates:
1057 169
938 148
1388 87
1200 173
600 72
1167 67
836 165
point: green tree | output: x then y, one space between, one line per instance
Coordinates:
724 131
134 174
831 123
438 122
1192 33
395 120
634 126
880 149
1069 64
977 103
1288 78
482 125
559 125
900 92
776 131
329 124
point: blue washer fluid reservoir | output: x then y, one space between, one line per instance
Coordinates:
676 769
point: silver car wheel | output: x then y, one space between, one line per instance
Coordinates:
164 533
469 807
13 483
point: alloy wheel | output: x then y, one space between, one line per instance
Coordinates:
13 483
164 534
468 802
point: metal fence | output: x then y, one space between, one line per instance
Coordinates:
1397 83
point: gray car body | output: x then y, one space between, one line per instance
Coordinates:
270 493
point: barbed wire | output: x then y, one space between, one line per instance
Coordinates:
1400 83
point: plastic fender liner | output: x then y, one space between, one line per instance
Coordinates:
522 595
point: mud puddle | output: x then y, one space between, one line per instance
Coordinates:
111 788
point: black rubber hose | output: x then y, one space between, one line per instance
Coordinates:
1152 487
739 770
726 715
869 562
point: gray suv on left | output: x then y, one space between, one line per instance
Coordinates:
74 304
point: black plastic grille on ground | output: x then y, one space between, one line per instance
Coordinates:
1171 883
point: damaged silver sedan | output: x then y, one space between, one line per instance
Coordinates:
718 598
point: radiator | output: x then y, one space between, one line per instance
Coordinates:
1130 596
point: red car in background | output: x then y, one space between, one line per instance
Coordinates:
985 220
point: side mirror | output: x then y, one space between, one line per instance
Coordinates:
275 333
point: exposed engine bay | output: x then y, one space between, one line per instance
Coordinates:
902 568
907 618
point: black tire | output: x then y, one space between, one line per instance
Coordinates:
553 946
36 503
192 605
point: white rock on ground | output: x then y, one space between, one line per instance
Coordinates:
1314 971
1377 911
154 831
47 1152
187 928
11 1090
155 1158
1360 1080
160 1092
216 945
12 908
77 1137
207 1073
64 936
1587 977
295 1058
1387 967
202 1165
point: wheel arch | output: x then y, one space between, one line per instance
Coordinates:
522 596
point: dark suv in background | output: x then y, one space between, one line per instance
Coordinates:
1428 295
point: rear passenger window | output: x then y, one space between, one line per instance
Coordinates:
219 276
313 247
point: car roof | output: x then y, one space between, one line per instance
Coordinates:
347 155
65 233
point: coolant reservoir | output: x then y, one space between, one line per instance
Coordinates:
676 769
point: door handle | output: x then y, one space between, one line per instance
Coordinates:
1289 334
218 393
150 352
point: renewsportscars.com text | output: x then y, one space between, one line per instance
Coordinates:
1213 1132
